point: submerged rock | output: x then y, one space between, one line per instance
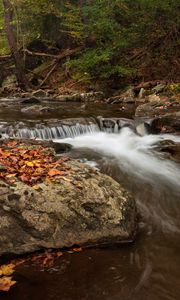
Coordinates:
171 149
90 209
39 94
81 97
168 123
31 100
35 110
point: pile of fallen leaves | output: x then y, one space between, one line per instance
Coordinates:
44 260
30 164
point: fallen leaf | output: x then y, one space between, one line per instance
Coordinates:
77 249
24 177
54 172
7 269
11 175
6 283
36 187
29 164
59 254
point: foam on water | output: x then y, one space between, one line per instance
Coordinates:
133 153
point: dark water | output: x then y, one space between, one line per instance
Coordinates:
148 269
11 111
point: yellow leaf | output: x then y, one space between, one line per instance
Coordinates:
29 164
6 283
7 269
36 187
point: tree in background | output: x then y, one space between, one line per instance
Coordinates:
120 39
8 15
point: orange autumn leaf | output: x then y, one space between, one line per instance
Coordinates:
54 172
11 175
77 249
24 177
6 283
30 165
59 254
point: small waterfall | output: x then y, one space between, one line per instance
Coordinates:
55 132
68 128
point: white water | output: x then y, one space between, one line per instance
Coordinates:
133 153
158 179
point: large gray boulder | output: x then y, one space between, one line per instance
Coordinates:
88 209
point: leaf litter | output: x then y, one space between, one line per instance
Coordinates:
32 165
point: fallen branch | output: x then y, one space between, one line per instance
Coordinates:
64 54
2 57
49 73
67 53
39 54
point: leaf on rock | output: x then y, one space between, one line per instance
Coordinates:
31 164
54 172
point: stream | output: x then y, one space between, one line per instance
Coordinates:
147 269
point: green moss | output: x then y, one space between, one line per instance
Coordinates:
173 88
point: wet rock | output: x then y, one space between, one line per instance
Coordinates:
143 129
114 124
61 147
39 94
157 106
153 99
81 97
168 123
125 97
171 149
142 93
129 100
31 100
159 88
35 110
92 209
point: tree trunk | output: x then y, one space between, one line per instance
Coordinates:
20 73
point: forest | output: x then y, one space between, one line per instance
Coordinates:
111 42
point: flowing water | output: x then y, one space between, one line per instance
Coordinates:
148 269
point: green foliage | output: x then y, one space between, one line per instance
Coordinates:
97 63
112 33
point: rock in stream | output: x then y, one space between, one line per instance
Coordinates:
92 210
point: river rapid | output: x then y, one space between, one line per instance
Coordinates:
147 269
